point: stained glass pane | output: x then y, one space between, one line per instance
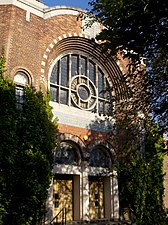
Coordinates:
92 72
83 66
101 84
63 96
64 71
54 94
74 65
54 74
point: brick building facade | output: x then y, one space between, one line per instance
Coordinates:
47 47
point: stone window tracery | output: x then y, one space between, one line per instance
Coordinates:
79 82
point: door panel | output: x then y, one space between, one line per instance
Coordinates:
96 199
62 190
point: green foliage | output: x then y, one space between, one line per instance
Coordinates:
8 127
2 64
140 28
141 181
26 160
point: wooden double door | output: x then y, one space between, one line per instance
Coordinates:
66 192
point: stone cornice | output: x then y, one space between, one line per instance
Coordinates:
40 9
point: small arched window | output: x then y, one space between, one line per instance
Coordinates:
99 157
78 81
20 80
67 153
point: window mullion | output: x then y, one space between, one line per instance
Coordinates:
69 76
104 92
59 79
97 91
78 72
79 65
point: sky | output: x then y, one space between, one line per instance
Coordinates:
83 4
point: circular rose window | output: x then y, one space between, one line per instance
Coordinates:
83 92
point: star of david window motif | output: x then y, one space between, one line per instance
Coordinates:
78 81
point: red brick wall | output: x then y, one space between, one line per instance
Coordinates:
25 42
81 132
5 32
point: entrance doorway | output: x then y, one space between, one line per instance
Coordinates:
96 198
63 196
66 194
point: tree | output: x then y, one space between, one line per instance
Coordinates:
137 31
141 176
28 137
140 28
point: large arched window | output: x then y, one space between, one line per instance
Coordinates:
79 82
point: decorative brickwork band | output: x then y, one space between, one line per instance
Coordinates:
82 43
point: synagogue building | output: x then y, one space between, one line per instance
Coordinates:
51 47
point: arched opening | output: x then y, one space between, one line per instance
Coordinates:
67 153
21 79
99 157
